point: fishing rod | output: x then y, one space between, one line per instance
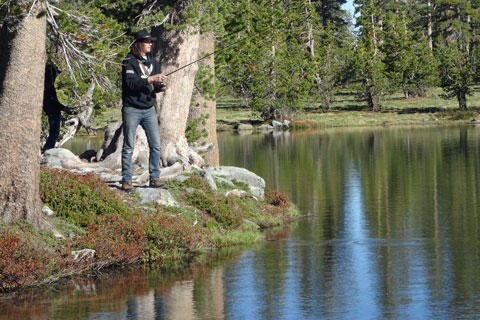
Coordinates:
206 56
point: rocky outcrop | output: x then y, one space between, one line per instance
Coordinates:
153 195
255 183
64 159
281 125
59 158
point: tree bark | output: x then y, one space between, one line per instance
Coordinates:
462 100
178 48
22 65
204 106
429 26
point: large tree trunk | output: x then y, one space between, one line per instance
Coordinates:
429 26
204 106
178 48
462 100
22 65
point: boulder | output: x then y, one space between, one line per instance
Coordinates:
59 158
277 125
255 183
265 127
160 196
244 126
190 190
226 181
109 177
181 178
49 212
281 125
237 193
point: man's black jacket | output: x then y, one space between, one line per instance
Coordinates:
136 91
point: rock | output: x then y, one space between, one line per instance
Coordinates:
202 148
256 184
57 234
277 125
244 126
172 171
475 121
209 178
49 212
181 178
190 190
281 125
83 255
251 223
265 127
82 171
160 196
109 177
236 192
59 158
226 181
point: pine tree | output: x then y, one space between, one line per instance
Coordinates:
410 64
331 13
456 29
369 58
272 69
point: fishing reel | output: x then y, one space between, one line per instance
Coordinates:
162 87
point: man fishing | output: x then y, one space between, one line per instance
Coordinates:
141 80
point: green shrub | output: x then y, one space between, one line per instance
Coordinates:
78 198
166 235
196 182
224 210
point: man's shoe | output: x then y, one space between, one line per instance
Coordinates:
157 183
127 186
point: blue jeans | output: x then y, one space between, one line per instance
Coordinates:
54 131
147 118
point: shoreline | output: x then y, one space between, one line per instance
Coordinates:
126 231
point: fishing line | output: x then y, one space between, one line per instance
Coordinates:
208 55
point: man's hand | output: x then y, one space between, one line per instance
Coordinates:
156 78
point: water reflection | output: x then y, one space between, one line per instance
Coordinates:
390 231
83 143
408 196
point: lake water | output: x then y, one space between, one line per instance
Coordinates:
390 229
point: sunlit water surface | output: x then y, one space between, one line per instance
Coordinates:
390 229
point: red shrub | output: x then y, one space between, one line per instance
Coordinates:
115 239
20 261
276 198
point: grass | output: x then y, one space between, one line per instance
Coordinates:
348 111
